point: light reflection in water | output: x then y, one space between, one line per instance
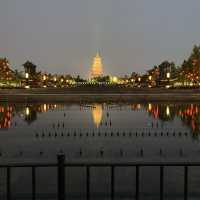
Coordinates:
167 111
97 113
189 114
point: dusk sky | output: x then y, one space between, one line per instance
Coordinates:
62 36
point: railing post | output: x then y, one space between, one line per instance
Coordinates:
33 183
112 182
137 183
185 182
8 184
161 182
88 182
61 176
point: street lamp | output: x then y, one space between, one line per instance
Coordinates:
44 77
150 77
168 75
44 80
115 79
26 75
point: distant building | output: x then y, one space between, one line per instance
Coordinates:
97 67
30 68
33 78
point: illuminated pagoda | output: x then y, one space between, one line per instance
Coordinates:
97 66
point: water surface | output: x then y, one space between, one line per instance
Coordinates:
101 133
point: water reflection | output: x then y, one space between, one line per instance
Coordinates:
97 113
187 113
5 116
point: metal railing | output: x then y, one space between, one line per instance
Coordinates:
62 165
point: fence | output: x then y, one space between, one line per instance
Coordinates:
62 165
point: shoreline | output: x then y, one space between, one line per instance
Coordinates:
87 96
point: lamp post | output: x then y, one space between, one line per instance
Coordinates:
150 79
55 81
139 80
27 80
168 75
27 75
44 78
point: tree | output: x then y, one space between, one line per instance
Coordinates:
190 70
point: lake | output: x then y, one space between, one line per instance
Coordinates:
122 133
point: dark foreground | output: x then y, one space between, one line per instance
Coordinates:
112 194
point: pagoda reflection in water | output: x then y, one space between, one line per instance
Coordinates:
97 113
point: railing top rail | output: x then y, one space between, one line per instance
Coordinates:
102 164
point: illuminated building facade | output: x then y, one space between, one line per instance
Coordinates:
97 66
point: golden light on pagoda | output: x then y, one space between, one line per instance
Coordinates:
97 66
97 113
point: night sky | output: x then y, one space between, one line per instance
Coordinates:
62 36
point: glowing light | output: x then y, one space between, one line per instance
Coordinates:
97 66
97 113
167 111
27 86
191 84
27 111
26 75
115 79
44 77
150 107
55 79
139 79
150 77
45 107
168 75
138 106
